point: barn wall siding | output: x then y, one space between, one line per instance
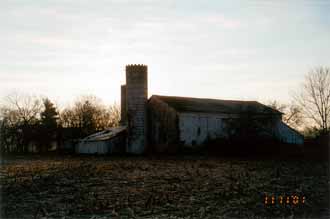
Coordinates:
288 135
163 129
110 146
92 147
197 128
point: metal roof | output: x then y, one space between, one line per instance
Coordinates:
190 104
106 134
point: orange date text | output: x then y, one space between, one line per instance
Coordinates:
294 200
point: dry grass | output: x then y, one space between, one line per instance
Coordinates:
185 187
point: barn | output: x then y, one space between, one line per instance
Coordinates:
161 122
193 121
109 141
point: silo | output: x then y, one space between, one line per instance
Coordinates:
137 97
123 108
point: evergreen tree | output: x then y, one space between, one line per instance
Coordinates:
49 120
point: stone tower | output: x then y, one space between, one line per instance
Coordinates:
137 97
123 106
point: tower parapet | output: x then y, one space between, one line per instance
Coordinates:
137 97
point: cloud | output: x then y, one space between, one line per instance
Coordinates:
205 42
223 21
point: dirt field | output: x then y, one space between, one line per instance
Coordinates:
170 187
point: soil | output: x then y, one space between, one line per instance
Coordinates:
161 187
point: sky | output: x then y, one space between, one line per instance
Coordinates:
225 49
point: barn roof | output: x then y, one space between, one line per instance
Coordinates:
189 104
106 134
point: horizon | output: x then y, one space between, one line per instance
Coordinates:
252 51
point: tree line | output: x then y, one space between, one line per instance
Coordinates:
26 120
29 120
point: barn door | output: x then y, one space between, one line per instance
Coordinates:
202 130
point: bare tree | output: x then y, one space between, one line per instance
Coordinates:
314 97
90 114
114 118
20 115
292 113
21 109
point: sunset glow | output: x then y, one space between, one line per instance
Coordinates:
248 50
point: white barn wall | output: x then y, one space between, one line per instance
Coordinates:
288 135
213 126
92 147
210 125
106 142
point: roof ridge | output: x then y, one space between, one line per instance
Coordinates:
196 104
204 98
